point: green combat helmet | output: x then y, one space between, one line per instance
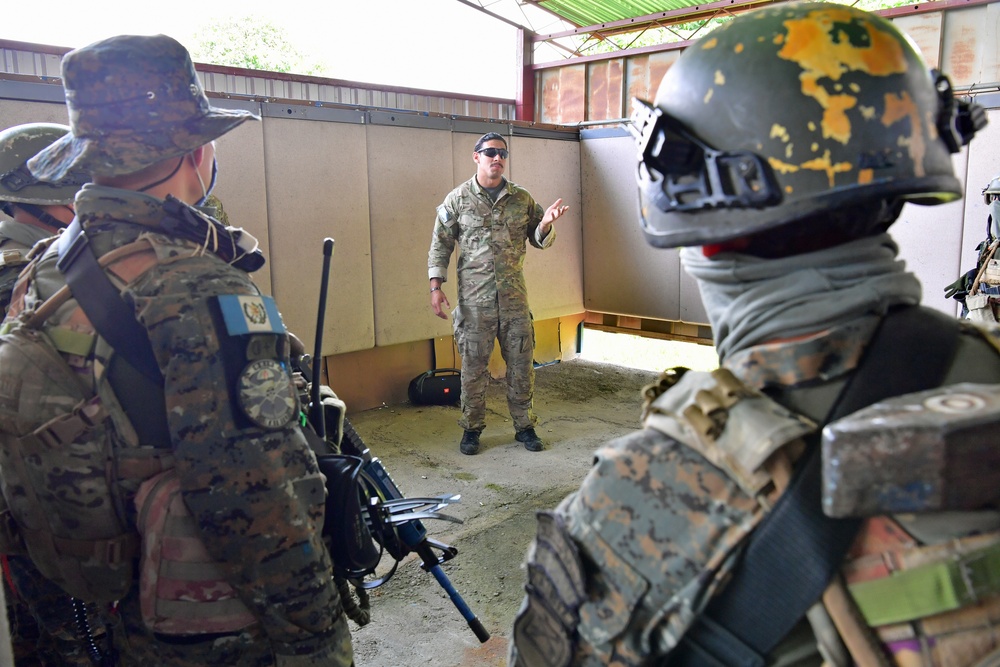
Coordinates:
17 145
790 111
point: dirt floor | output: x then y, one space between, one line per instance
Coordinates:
580 405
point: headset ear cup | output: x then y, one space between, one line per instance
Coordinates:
352 546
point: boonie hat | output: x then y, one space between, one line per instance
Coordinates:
133 101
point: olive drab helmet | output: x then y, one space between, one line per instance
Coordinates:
17 145
788 111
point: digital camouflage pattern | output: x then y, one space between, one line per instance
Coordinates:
160 108
43 630
492 296
656 527
256 494
16 239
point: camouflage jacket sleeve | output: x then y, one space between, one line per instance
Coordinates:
443 239
650 532
255 491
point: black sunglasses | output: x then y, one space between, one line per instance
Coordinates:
493 152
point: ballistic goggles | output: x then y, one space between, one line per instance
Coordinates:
680 172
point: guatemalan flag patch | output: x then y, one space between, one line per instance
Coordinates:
244 314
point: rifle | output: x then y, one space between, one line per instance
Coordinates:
364 505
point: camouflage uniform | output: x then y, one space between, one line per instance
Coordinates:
225 420
16 239
657 525
781 208
235 475
492 297
36 640
43 626
978 289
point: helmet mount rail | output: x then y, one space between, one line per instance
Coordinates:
958 120
679 172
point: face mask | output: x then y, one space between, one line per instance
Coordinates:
211 184
995 218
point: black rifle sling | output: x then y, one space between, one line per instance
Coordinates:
795 551
112 317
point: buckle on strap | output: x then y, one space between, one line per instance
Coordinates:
12 258
110 551
66 429
979 573
930 589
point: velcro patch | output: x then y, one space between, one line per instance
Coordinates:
245 314
267 395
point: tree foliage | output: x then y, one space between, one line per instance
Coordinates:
251 42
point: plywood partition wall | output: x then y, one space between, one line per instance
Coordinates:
317 188
242 190
409 171
622 273
550 169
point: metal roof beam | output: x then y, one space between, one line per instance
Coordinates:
480 8
682 15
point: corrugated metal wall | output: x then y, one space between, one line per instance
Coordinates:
961 41
39 62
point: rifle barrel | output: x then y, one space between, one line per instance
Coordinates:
428 556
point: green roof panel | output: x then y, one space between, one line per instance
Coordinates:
595 12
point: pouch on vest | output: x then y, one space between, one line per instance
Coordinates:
980 308
58 480
991 272
442 386
182 590
345 526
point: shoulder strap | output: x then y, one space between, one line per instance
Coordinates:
796 550
111 316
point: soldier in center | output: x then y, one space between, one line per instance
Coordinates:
733 529
491 220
